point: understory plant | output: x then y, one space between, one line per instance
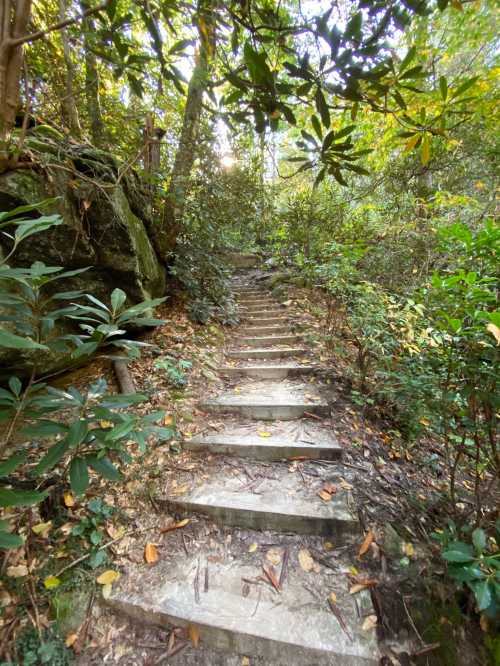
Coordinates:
56 439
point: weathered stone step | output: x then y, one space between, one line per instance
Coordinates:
268 401
270 312
266 371
270 340
272 307
278 446
284 352
291 628
267 321
273 500
265 330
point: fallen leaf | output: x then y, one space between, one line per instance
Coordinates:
69 500
106 424
326 497
115 532
252 547
42 529
245 661
273 556
168 420
408 549
194 634
271 576
495 331
305 560
106 590
328 545
180 490
264 433
70 639
345 485
330 488
17 571
51 582
175 526
333 597
369 538
150 553
369 623
108 577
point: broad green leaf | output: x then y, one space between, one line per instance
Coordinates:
118 298
78 475
9 465
12 341
426 148
104 467
52 457
9 540
479 539
443 87
10 497
483 593
322 107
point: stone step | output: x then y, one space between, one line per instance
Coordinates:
285 352
291 628
267 498
270 340
265 330
311 442
249 291
267 321
268 401
259 308
266 371
257 314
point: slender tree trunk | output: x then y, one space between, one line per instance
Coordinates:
14 19
165 236
97 130
68 106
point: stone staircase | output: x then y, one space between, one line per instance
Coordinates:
273 588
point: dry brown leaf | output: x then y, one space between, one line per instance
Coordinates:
168 420
70 639
345 485
271 576
194 634
175 526
333 597
330 488
495 331
305 560
150 553
369 538
17 571
326 497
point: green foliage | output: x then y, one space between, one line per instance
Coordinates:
474 561
35 650
86 433
175 369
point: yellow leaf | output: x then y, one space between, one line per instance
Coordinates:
106 424
70 639
42 529
168 420
369 623
333 597
264 433
426 148
252 547
106 590
425 422
51 582
194 634
305 560
69 500
353 571
150 553
408 549
108 577
182 523
328 545
412 142
494 330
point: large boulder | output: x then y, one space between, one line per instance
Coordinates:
105 225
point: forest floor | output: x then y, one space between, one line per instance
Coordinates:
397 497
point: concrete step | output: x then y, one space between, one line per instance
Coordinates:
292 628
268 401
256 314
284 352
266 371
267 498
265 330
270 340
267 321
288 440
260 308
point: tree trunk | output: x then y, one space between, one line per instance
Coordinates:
165 235
14 19
92 82
68 106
